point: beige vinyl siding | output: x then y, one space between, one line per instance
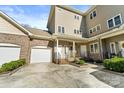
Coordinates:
6 27
67 19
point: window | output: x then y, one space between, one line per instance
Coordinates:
94 29
75 31
117 20
91 48
77 17
59 29
94 48
63 30
94 13
91 31
91 17
80 32
98 27
110 23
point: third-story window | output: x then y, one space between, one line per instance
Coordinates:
110 23
75 31
91 17
94 13
117 20
59 29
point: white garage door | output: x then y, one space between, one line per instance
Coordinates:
9 52
40 54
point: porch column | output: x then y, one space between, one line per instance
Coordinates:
101 48
57 53
74 49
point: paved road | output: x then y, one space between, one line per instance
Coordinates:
48 75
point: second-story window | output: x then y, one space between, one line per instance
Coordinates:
98 27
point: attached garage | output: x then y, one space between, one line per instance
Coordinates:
9 52
41 54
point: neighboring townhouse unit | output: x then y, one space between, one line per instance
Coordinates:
99 31
96 34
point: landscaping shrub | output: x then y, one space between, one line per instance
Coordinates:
12 65
80 62
114 64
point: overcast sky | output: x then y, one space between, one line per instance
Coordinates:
33 15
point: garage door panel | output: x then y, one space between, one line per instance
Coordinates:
40 55
8 54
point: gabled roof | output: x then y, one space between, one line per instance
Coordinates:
14 23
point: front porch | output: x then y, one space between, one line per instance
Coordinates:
67 50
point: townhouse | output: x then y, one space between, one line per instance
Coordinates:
98 34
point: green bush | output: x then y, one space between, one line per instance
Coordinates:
81 62
114 64
12 65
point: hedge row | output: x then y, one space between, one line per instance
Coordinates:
115 64
12 65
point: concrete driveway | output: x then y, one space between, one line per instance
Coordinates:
48 75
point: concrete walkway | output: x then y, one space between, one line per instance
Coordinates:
48 75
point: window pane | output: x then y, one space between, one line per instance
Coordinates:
91 48
117 20
75 31
59 29
91 31
98 28
110 23
91 16
94 13
96 47
75 16
63 29
94 29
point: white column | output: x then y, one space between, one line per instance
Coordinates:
101 49
57 53
74 49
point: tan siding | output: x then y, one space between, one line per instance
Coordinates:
6 27
66 19
104 12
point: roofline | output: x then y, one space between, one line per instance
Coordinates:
90 9
13 22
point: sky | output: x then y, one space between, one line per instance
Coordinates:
33 15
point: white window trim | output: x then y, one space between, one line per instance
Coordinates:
114 47
95 28
92 14
114 21
61 29
94 47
